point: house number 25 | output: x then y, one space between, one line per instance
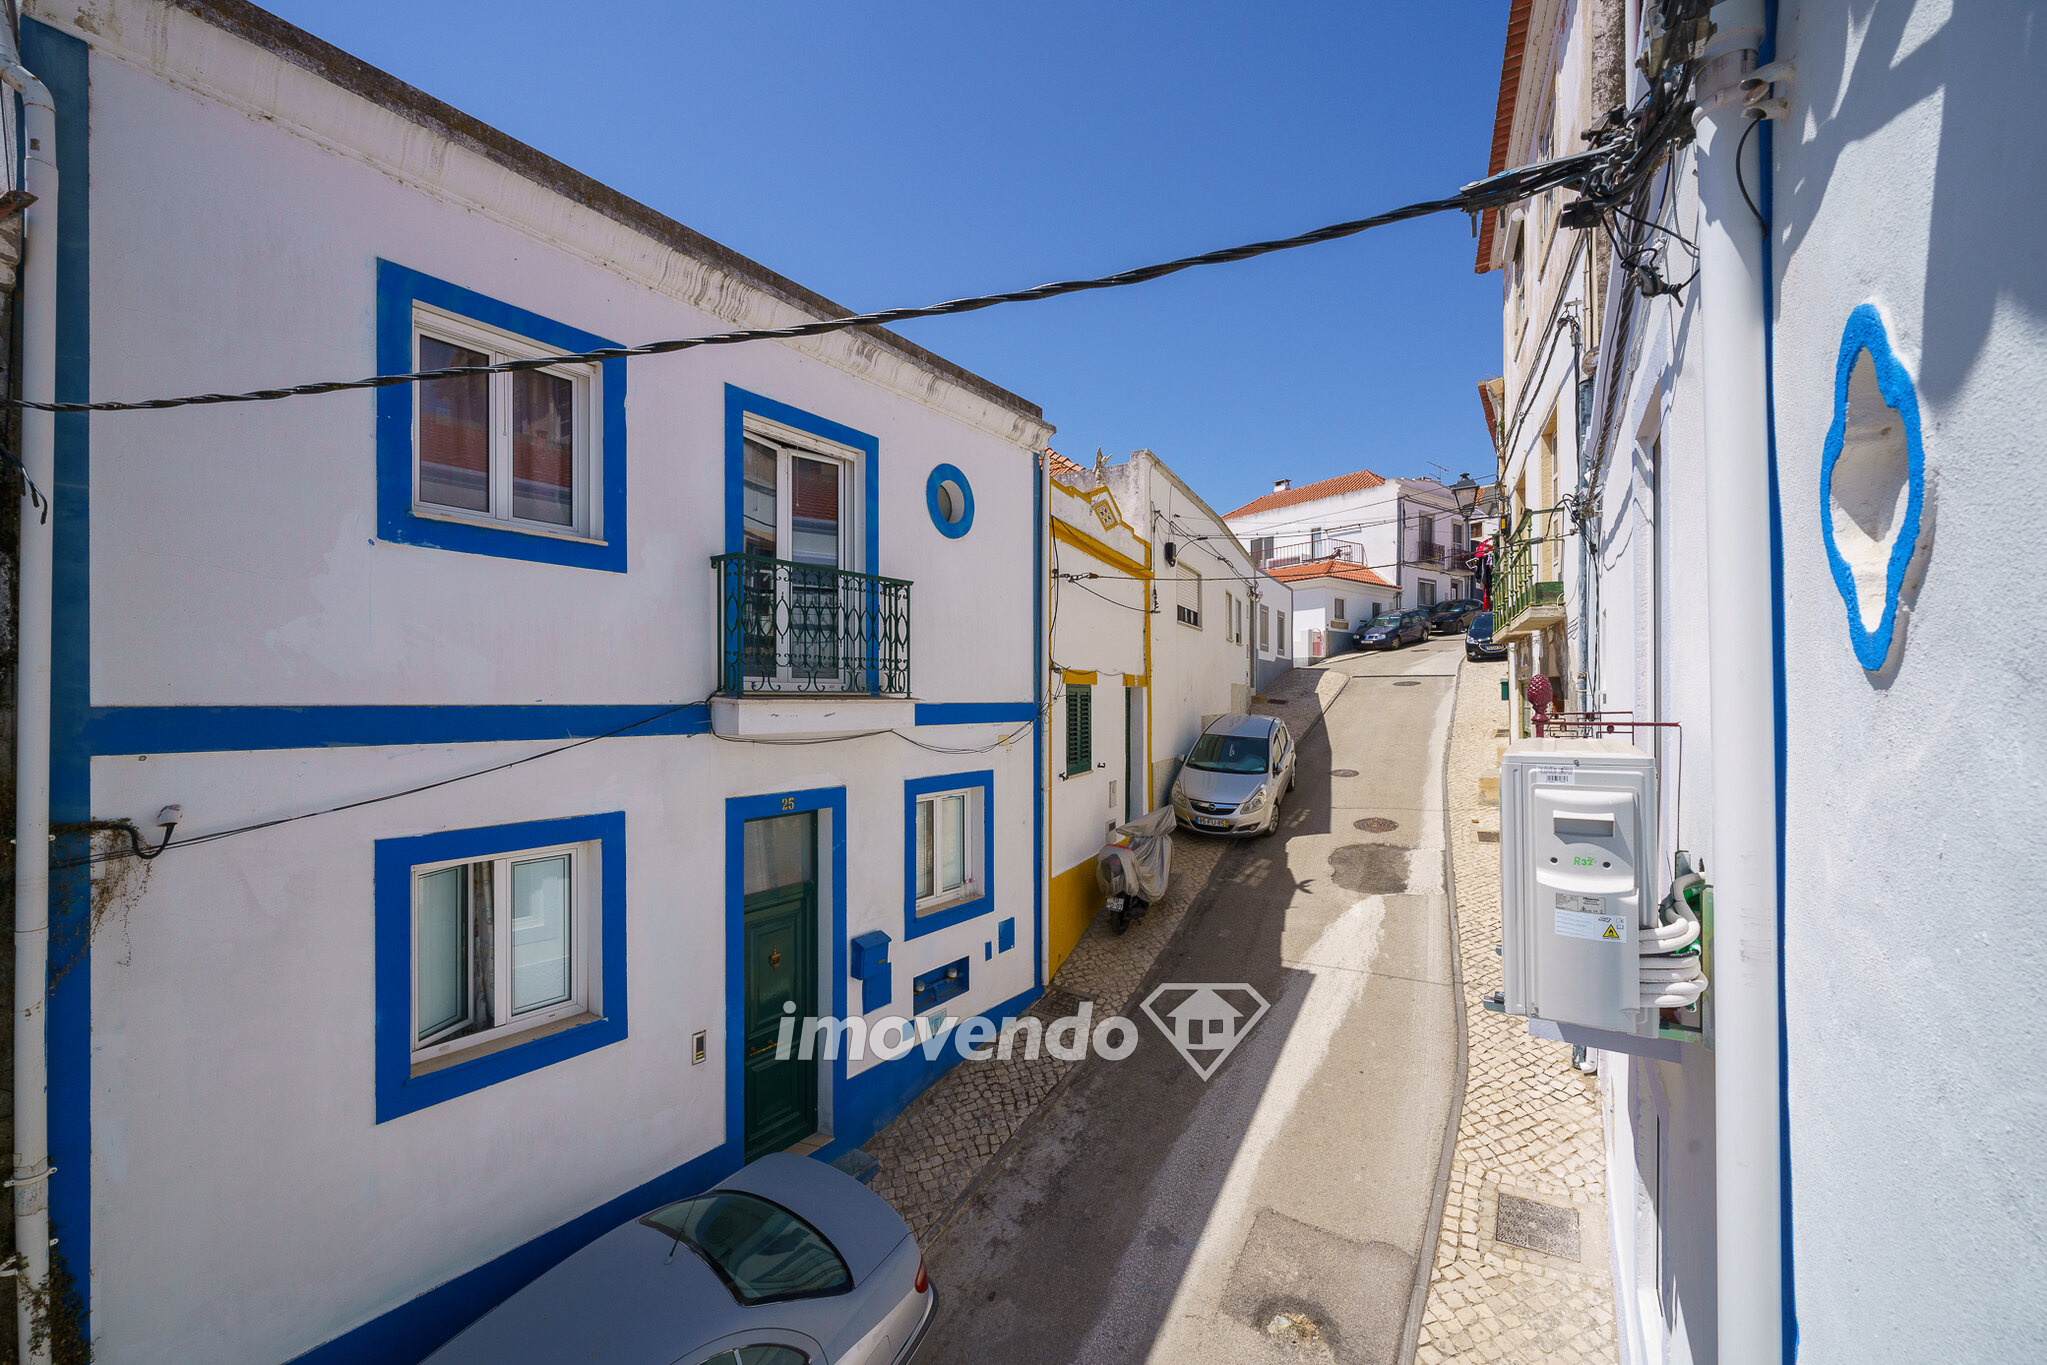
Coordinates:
788 803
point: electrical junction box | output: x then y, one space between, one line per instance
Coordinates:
1578 881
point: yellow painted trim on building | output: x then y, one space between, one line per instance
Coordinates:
1108 554
1069 910
1075 675
1087 544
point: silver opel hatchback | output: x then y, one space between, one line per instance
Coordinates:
1235 777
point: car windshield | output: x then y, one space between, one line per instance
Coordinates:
1482 624
762 1252
1229 754
1384 622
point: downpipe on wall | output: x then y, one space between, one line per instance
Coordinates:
1740 594
31 1175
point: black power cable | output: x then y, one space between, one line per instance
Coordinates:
1489 193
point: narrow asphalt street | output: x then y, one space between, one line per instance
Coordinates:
1277 1211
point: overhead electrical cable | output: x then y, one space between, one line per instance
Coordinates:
1490 193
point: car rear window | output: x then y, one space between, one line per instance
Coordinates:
763 1252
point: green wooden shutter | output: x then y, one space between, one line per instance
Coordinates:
1080 728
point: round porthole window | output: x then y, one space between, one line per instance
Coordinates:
951 500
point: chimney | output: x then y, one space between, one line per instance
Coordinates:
1281 485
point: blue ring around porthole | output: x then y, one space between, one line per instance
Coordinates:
945 474
1865 331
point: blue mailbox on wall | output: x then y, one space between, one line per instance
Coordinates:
869 966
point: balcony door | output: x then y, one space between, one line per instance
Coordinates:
797 519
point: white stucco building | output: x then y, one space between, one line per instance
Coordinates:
1333 600
1275 603
1406 531
1204 648
1100 627
427 1021
1796 474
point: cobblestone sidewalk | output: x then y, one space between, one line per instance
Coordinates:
1530 1128
936 1147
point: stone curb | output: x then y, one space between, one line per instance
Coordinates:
1432 1230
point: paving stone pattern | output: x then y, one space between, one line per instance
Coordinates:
936 1147
1530 1128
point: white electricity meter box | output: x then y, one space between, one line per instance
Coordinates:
1579 873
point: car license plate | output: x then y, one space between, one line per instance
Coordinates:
1210 822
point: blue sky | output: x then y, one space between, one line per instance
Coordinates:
890 152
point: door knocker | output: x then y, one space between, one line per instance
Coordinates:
774 957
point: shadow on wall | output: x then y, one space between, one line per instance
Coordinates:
1986 65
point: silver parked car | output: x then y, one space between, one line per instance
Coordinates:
1235 777
787 1262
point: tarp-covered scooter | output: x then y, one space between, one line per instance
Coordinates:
1132 867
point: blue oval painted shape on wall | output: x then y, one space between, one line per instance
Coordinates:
951 500
1872 484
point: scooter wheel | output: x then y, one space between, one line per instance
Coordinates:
1118 922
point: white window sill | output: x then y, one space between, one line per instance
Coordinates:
966 895
524 528
500 1040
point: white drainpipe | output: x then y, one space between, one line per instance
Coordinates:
32 696
1743 862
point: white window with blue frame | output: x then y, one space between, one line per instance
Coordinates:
522 465
949 844
520 451
501 946
499 950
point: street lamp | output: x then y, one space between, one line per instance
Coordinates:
1465 490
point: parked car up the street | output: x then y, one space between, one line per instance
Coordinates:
1235 777
1478 639
1447 618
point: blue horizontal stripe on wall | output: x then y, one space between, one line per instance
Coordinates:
973 712
211 729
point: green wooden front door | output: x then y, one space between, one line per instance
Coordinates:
781 968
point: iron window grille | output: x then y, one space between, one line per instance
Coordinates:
788 627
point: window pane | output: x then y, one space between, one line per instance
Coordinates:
814 511
780 851
757 500
540 933
454 429
761 1251
952 847
927 842
772 1355
544 448
441 951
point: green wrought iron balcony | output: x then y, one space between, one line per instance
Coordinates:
789 627
1522 603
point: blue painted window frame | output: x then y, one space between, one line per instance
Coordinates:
398 289
914 924
738 403
942 474
399 1092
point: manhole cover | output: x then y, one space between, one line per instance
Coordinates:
1343 772
1548 1228
1489 836
1376 824
1409 683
